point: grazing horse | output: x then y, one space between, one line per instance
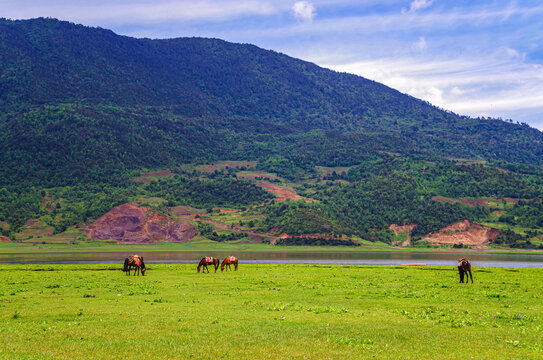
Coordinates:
206 261
228 261
136 262
464 268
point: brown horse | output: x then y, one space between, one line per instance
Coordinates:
136 262
228 261
464 268
207 261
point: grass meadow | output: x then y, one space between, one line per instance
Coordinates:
268 311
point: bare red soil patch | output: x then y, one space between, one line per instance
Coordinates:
48 202
4 225
230 164
34 228
402 230
228 211
148 177
130 223
4 239
282 193
464 232
185 211
484 202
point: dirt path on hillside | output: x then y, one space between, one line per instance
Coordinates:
282 193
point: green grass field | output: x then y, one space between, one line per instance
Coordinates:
269 312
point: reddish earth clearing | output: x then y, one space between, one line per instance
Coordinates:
464 232
282 193
231 164
185 210
48 202
130 223
34 228
253 175
485 202
4 239
402 230
148 177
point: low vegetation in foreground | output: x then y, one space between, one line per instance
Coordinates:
270 312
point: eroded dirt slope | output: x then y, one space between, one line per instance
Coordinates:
464 232
134 224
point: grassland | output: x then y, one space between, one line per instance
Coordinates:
269 312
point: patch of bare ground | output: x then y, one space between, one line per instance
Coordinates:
148 177
230 164
4 239
484 202
34 228
282 193
464 232
4 225
402 230
130 223
48 203
185 211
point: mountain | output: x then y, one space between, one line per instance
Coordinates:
75 100
84 110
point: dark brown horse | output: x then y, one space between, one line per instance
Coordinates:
228 261
464 268
207 261
136 262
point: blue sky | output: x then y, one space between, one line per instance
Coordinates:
478 58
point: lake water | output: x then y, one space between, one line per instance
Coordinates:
281 257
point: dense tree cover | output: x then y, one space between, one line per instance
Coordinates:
84 104
526 214
298 218
375 202
231 192
17 205
315 241
450 179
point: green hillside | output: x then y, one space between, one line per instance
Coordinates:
83 110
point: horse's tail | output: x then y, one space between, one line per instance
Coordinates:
143 268
125 267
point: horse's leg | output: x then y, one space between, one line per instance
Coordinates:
461 272
471 275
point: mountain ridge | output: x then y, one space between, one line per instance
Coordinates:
84 110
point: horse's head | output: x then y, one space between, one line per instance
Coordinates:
143 269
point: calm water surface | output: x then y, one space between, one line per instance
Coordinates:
280 257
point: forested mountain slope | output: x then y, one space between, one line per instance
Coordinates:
84 110
75 100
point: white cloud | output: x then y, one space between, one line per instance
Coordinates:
303 10
142 12
477 87
420 44
420 4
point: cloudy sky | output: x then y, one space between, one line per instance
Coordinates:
478 58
